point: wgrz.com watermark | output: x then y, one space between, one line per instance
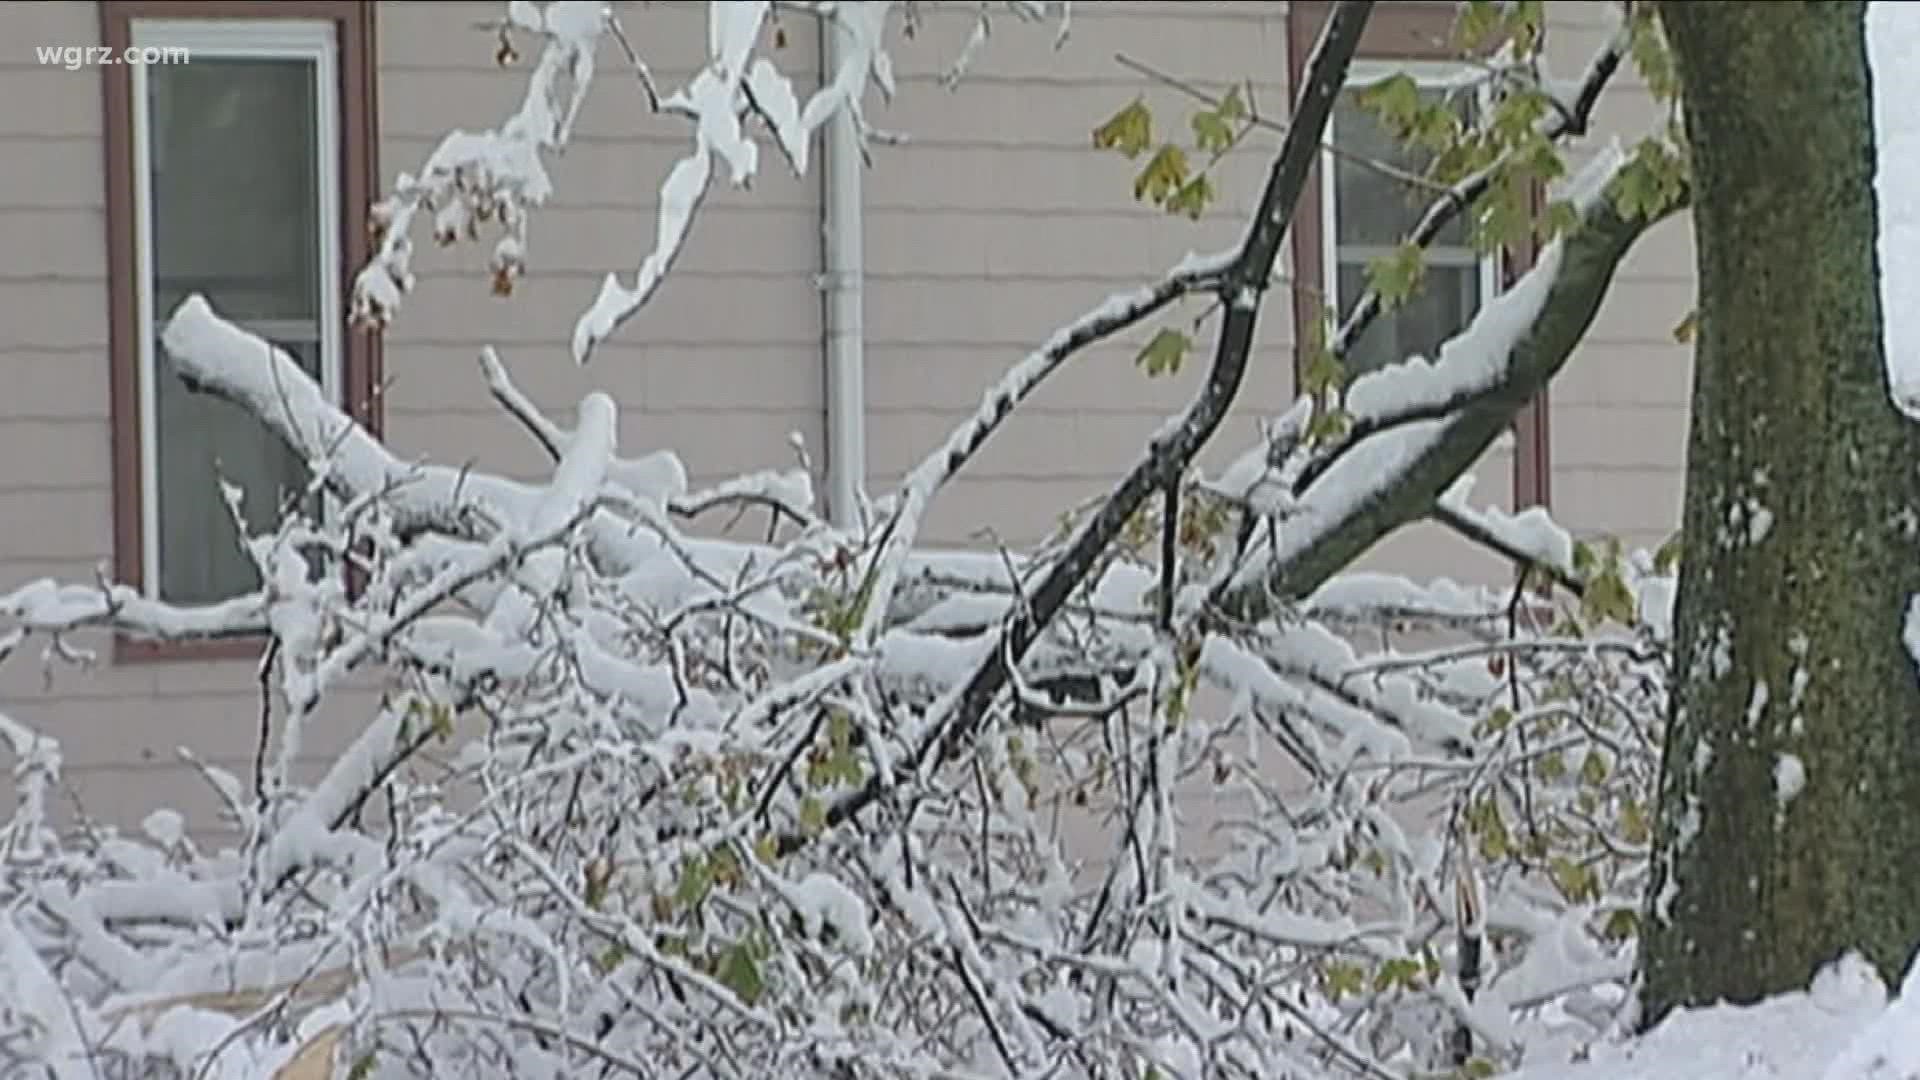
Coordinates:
75 57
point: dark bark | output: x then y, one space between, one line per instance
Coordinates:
1802 492
1594 251
1242 291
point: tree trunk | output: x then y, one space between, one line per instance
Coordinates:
1789 822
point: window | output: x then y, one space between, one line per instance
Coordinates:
1366 211
1354 212
244 174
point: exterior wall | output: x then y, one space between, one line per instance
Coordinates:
993 225
1619 414
730 362
999 222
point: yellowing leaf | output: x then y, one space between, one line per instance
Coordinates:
1683 333
1634 826
1130 131
1164 354
1192 198
1622 923
1576 882
1163 175
1344 979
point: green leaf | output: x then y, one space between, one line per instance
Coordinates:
1491 829
1163 175
1396 276
842 767
1394 99
1621 924
813 815
363 1066
1344 980
1320 371
1232 107
1129 131
1479 21
1583 558
696 880
1212 133
1606 597
1193 197
1402 971
739 971
1634 827
1576 882
1594 770
1668 555
1164 354
1684 331
1647 43
1328 424
1650 182
1561 219
610 960
1478 1069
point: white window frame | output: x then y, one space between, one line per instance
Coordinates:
312 40
1428 74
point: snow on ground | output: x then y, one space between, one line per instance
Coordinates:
1842 1027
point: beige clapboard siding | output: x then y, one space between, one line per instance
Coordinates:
992 226
1619 417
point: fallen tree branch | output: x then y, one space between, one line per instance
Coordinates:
1476 531
1567 119
958 716
1398 476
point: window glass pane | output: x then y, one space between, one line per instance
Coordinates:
233 166
1446 301
1371 207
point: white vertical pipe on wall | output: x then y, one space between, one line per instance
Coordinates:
843 260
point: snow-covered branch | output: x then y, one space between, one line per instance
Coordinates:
834 804
1242 286
1505 356
1571 116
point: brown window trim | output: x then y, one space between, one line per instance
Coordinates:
1404 30
353 22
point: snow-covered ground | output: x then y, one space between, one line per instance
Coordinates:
1843 1027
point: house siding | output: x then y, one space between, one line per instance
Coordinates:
1619 415
993 225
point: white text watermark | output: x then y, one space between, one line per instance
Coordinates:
75 57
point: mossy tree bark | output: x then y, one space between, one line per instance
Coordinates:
1789 825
